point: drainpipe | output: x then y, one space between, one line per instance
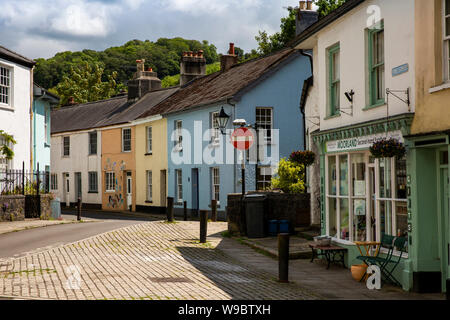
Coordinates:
302 52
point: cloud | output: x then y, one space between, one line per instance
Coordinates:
41 28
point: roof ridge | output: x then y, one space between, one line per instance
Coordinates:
89 103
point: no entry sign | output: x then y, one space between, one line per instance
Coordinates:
242 138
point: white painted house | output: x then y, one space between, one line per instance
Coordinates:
16 85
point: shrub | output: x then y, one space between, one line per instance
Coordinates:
289 177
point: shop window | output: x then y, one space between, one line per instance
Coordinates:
385 178
343 176
401 219
400 176
332 175
332 209
344 219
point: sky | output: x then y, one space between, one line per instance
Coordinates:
41 28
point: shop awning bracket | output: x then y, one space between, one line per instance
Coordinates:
314 123
406 92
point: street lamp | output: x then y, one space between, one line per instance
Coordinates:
222 118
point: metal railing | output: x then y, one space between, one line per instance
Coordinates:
25 182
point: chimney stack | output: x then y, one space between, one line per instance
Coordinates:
306 16
192 66
142 82
228 60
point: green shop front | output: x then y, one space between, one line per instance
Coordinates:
363 197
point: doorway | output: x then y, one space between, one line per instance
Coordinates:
129 191
66 185
78 188
163 179
195 192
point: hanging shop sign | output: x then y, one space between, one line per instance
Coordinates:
364 142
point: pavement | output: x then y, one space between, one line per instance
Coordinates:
151 259
14 226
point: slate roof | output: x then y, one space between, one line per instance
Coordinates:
15 57
220 86
105 112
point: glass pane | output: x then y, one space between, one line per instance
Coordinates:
358 174
359 220
380 83
444 157
401 218
447 7
400 176
343 176
343 206
386 217
337 90
336 67
332 213
385 178
332 175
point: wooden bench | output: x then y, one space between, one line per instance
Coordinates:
333 254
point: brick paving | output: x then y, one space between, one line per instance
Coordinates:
154 260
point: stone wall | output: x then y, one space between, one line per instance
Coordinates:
46 208
12 208
279 206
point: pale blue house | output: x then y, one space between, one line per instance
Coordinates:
43 102
202 163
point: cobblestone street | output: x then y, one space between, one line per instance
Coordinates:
154 260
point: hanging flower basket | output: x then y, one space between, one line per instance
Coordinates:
305 158
388 148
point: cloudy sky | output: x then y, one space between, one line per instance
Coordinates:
41 28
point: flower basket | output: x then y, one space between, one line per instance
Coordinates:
388 148
305 158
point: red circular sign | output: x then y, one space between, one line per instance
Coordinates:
242 138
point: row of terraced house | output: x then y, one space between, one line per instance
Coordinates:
371 69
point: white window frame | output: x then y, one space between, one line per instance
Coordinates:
264 182
6 85
123 139
215 184
149 139
178 135
446 42
90 174
149 176
54 181
392 200
179 185
214 128
90 143
265 122
64 146
110 177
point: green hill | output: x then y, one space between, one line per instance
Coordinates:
163 56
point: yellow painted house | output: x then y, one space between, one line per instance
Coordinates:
151 164
428 148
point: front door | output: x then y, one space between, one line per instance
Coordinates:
163 188
446 226
195 201
129 191
78 188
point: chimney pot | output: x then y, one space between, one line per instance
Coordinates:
308 5
231 51
71 101
200 53
302 5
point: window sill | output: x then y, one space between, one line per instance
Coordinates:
110 191
148 154
6 107
148 201
123 151
441 87
92 154
92 191
376 105
332 116
178 203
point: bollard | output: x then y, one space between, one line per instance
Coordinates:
185 210
203 225
213 210
283 257
169 210
79 209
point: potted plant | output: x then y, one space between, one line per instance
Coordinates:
305 158
388 148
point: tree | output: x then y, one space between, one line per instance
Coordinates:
6 141
327 6
289 177
268 44
85 84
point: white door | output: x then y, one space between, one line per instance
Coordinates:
129 190
67 189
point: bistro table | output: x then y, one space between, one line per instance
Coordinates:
368 249
332 254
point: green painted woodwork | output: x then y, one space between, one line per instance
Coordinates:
333 81
374 98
